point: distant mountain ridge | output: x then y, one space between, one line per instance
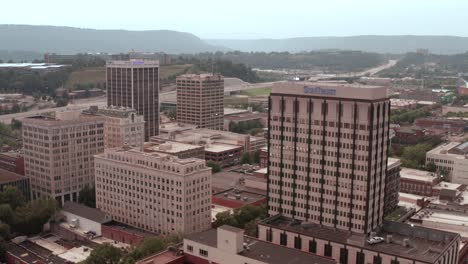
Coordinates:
370 43
25 41
69 40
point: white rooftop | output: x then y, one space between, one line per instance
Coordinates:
417 175
444 148
220 147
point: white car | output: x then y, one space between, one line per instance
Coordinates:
375 240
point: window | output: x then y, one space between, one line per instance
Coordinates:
283 239
395 261
377 260
312 246
343 256
189 248
269 235
297 243
328 250
203 253
360 258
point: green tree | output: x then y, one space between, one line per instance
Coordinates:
16 124
214 166
104 254
415 156
256 157
7 215
431 167
87 196
4 231
246 159
12 196
31 217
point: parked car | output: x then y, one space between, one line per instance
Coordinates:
375 240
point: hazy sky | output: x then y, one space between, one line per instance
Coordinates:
249 18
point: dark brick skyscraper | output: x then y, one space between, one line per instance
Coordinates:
135 84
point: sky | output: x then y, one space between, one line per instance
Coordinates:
249 19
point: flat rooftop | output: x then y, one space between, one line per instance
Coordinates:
226 180
263 251
216 147
233 111
417 175
170 147
444 148
161 258
448 186
331 90
130 229
32 253
392 162
239 196
8 176
443 220
420 238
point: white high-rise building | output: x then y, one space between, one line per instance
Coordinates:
328 154
156 192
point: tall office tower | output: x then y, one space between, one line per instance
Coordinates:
328 154
123 126
58 153
135 84
152 191
200 100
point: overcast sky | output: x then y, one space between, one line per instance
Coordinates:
249 18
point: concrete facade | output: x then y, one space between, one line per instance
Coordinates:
392 185
58 153
200 100
456 164
328 146
123 127
135 84
154 192
405 244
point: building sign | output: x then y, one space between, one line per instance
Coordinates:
318 90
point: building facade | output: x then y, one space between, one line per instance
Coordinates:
135 84
200 100
392 185
418 182
403 244
11 179
123 126
58 153
155 192
451 159
12 161
328 146
228 245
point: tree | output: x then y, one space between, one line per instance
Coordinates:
87 196
31 217
256 157
431 167
4 231
7 215
245 159
214 166
104 254
12 196
415 156
16 124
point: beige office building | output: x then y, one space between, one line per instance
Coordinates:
58 153
451 158
135 84
200 100
123 126
156 192
328 154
